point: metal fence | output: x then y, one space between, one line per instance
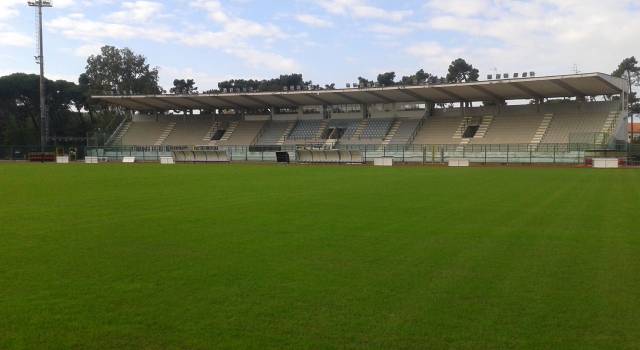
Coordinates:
570 153
485 154
18 153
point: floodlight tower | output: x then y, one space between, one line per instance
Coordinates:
44 123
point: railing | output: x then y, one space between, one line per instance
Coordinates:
21 152
260 133
566 153
116 131
416 130
425 154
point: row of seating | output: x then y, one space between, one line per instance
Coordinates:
405 131
520 124
306 129
376 128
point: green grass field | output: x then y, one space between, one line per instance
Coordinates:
302 257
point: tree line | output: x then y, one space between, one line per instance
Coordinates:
73 114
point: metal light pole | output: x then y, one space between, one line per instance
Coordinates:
44 123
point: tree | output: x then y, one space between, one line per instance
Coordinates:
184 87
20 109
461 72
629 70
420 78
120 71
331 86
274 84
387 79
363 82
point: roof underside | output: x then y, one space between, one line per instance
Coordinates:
593 84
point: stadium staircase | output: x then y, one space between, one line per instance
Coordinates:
117 136
484 126
462 127
165 133
208 138
541 131
361 126
286 133
459 133
608 128
321 130
392 131
230 130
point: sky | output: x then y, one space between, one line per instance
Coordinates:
328 41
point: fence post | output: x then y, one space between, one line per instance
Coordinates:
507 154
485 154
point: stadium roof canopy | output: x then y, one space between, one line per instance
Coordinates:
591 84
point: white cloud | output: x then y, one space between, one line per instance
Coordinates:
204 81
388 30
10 38
257 58
362 9
462 8
77 27
8 35
63 3
313 21
545 35
8 8
432 54
237 37
87 50
137 11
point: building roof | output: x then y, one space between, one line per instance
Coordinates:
591 84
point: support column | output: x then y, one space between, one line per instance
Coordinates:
365 110
430 106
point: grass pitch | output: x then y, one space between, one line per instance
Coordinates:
270 257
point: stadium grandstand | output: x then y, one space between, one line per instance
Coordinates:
568 115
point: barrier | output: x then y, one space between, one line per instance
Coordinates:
167 160
304 156
62 159
330 156
128 159
605 163
458 162
356 156
383 161
42 157
200 156
91 160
